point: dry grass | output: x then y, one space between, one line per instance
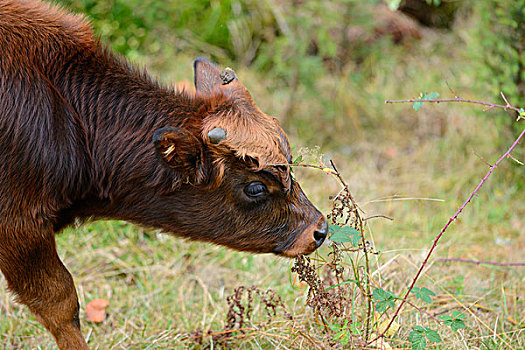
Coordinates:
416 168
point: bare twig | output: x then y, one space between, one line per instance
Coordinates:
457 99
505 99
451 90
482 262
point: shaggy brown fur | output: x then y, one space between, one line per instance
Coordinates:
83 135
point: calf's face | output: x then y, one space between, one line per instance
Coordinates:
234 185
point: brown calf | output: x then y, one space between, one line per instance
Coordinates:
83 135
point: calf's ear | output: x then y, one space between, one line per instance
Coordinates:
179 149
207 77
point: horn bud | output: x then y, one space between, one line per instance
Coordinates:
217 135
227 76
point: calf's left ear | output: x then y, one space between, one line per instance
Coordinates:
179 149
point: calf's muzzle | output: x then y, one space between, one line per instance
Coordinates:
309 240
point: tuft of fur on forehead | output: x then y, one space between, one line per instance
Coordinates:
250 134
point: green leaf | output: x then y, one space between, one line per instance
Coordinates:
298 160
344 234
345 339
457 324
379 294
340 334
381 306
432 335
418 340
446 318
417 105
384 299
521 115
427 299
455 321
423 294
432 96
428 291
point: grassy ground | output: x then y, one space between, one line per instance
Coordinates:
414 167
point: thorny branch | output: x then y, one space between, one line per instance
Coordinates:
454 217
459 99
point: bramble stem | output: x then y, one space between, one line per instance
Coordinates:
457 99
451 219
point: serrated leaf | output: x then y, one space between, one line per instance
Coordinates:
381 306
432 335
417 106
384 299
426 298
446 318
432 96
427 291
423 294
455 321
419 342
457 324
380 294
344 234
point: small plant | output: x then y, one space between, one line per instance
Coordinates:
419 336
456 321
424 294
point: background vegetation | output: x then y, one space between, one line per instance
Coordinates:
324 68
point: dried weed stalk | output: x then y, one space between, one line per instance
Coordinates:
239 319
332 292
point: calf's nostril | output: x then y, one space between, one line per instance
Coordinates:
320 235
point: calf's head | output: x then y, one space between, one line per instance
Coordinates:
232 184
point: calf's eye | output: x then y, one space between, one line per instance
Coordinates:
255 190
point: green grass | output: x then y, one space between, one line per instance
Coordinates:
161 289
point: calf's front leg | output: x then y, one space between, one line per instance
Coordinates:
38 278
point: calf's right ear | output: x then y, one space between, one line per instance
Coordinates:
179 149
207 77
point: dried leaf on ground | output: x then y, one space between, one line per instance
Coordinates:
96 310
